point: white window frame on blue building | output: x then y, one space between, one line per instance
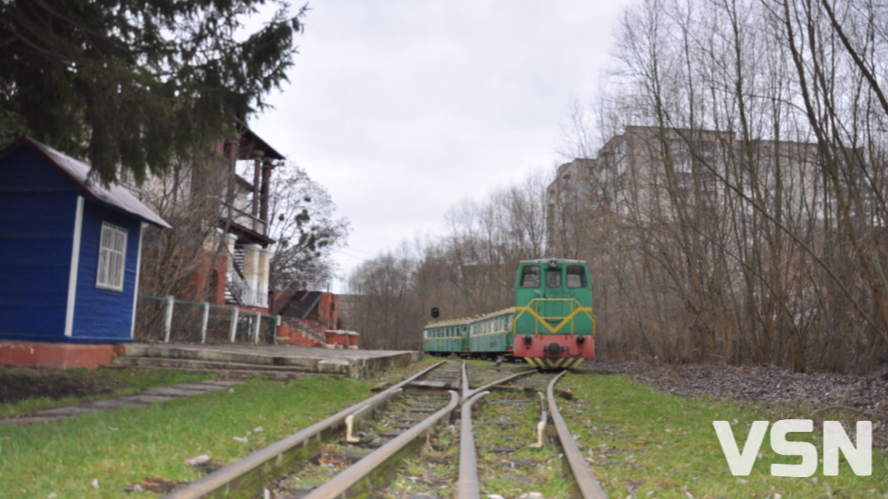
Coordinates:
112 258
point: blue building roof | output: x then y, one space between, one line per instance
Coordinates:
115 196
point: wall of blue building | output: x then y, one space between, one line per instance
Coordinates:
103 315
37 208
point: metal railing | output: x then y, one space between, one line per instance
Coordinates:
167 319
244 219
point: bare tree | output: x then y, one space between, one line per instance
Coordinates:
302 220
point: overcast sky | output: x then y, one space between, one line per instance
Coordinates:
401 108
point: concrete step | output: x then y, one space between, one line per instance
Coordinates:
209 354
237 374
204 365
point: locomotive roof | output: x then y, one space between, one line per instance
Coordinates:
559 260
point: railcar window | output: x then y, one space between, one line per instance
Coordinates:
553 278
576 276
530 277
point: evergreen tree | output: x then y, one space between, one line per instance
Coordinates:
134 83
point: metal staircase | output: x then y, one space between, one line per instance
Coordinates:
236 286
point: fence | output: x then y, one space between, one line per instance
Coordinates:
168 319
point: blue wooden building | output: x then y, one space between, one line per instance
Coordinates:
69 249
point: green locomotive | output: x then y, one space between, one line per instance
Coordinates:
551 325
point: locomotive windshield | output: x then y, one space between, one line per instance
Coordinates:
530 277
553 278
576 276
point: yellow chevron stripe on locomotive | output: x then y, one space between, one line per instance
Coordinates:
553 362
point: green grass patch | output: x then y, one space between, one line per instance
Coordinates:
663 446
134 445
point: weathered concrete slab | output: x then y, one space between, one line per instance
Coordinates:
111 404
140 399
172 391
335 366
200 387
67 411
148 399
219 382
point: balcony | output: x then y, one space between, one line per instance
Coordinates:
244 219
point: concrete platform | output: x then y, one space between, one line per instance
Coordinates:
269 359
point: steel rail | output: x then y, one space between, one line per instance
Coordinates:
241 479
465 381
468 485
586 482
350 480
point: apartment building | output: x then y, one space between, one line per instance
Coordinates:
649 175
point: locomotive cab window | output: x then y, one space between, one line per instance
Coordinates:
553 278
576 277
530 277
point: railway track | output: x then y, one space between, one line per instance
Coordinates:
405 442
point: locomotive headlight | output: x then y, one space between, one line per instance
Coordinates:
528 339
580 340
553 263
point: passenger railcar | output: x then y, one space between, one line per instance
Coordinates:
491 335
446 337
551 325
